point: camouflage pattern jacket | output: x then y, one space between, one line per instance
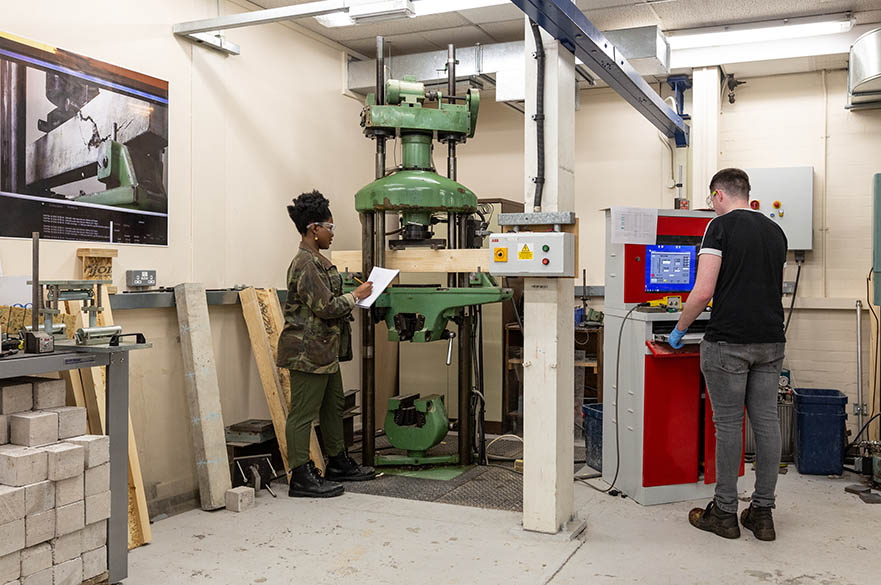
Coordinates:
317 334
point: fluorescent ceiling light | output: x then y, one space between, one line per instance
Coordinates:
757 32
364 11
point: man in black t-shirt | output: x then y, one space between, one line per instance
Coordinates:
740 268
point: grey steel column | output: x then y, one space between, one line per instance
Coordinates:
452 170
13 147
860 364
116 407
35 288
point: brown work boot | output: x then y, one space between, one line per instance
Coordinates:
759 520
712 519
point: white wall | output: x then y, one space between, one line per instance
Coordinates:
246 134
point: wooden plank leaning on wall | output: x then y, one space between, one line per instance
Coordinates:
264 319
87 389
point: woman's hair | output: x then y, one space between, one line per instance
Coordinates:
309 208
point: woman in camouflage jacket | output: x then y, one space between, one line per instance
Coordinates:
317 335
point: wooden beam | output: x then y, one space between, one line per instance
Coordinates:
203 395
420 260
266 368
97 252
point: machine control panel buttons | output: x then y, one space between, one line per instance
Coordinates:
777 205
754 204
525 253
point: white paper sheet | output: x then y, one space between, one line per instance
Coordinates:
381 278
634 225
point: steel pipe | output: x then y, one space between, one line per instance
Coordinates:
859 307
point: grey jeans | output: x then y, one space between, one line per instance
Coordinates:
738 375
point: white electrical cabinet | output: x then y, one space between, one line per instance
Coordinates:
786 195
532 254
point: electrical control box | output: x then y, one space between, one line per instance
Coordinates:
532 254
140 278
786 195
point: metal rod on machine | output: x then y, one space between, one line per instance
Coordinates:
372 232
451 155
35 289
13 98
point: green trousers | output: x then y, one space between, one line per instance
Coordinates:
314 395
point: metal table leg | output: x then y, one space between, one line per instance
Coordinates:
117 429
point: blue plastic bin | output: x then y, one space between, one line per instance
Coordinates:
820 437
593 435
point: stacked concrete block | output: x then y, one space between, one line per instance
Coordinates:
97 448
97 480
70 490
94 562
20 466
48 393
54 488
33 429
65 460
35 559
10 567
71 421
16 396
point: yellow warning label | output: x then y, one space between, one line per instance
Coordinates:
525 253
500 254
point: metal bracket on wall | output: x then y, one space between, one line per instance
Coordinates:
566 23
207 32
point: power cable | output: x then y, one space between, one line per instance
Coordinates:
794 292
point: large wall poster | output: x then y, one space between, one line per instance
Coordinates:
83 148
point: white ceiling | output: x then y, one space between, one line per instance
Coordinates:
505 23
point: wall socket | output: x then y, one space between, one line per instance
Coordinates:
140 278
788 287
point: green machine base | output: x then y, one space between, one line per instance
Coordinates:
414 458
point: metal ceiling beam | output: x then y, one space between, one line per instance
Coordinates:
566 23
199 31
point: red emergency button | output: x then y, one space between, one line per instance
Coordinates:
754 204
545 261
777 205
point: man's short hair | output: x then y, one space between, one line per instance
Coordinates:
735 183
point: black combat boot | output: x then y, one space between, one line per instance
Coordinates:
343 468
306 482
714 520
759 520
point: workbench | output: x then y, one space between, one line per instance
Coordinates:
115 360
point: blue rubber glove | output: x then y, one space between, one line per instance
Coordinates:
676 337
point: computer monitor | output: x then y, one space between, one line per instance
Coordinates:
670 268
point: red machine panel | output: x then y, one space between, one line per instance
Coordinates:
672 420
634 256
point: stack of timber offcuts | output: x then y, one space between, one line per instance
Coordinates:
54 487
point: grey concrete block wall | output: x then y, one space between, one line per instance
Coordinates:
68 547
97 480
48 393
94 562
36 559
98 507
10 567
70 518
44 577
95 535
71 421
39 527
12 537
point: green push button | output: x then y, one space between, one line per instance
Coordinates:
545 248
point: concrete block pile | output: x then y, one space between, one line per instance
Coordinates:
54 487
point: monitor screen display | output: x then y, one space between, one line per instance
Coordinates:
670 268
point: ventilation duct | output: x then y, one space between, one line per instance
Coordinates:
864 72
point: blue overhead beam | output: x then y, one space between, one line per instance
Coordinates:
566 23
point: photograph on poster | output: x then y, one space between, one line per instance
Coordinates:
83 148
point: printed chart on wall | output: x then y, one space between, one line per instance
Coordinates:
83 148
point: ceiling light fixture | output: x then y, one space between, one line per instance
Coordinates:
755 32
367 11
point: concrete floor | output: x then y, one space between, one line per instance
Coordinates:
825 537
